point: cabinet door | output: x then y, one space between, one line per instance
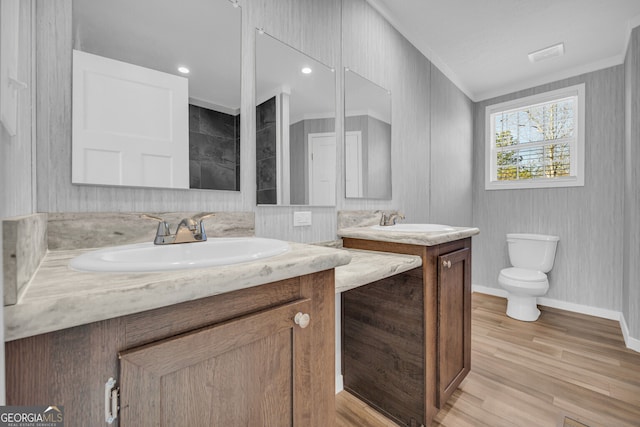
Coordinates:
249 371
454 321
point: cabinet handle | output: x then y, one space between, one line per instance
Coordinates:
302 320
446 264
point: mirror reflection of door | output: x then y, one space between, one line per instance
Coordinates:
353 164
367 110
322 168
130 126
295 98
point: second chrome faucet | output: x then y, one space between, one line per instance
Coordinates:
189 230
391 219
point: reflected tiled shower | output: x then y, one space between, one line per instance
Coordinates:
214 149
266 152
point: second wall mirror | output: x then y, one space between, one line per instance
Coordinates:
367 139
295 126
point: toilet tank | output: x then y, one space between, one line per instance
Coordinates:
532 251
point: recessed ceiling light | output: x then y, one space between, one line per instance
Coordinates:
306 70
183 70
547 52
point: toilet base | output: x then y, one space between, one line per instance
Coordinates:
522 308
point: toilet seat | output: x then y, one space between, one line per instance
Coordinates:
528 281
523 274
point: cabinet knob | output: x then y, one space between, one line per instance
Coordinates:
302 319
446 263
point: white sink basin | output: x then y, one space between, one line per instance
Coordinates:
147 257
415 228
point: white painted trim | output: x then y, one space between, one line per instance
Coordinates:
213 106
339 383
577 143
368 112
312 116
579 308
489 291
283 148
630 342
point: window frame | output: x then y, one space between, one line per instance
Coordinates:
577 154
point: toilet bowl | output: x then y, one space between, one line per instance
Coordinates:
532 255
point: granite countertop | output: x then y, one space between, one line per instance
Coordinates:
368 266
58 297
422 238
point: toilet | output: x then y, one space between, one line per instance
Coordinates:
531 256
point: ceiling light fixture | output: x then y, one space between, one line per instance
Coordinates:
547 52
306 70
183 70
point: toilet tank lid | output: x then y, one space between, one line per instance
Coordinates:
527 236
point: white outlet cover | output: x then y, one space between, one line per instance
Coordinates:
301 218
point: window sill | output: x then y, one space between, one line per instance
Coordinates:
540 183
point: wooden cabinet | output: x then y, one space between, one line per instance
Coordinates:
237 359
454 321
406 339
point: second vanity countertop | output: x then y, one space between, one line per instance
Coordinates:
431 238
368 266
59 297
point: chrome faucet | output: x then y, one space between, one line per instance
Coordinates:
189 230
391 219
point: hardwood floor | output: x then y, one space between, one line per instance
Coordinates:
533 374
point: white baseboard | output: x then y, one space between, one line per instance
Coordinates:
630 342
339 384
489 291
579 308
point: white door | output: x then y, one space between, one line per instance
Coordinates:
130 124
353 164
322 169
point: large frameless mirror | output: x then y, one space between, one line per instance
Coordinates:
295 126
367 151
156 93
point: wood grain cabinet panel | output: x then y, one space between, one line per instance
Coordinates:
382 352
235 373
236 359
406 339
454 321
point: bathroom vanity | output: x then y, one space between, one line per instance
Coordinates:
406 339
245 344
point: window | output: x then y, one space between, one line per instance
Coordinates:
537 141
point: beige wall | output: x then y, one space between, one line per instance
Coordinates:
588 265
631 279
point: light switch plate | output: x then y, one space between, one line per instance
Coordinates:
301 218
